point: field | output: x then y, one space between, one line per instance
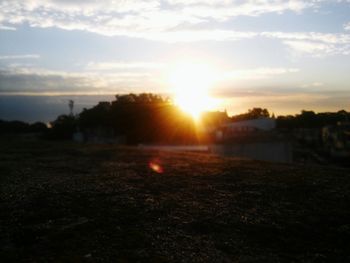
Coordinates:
63 202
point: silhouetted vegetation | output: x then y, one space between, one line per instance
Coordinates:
310 119
251 114
151 118
306 119
142 118
19 127
63 127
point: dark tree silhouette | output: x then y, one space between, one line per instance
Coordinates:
63 127
142 118
38 127
13 127
310 119
18 127
251 114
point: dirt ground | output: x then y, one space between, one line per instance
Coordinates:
65 202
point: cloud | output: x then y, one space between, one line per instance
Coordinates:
284 101
31 80
347 26
257 73
329 38
137 18
170 20
3 27
26 56
197 35
110 78
313 85
119 65
314 48
313 43
223 10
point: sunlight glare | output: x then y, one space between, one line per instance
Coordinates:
190 84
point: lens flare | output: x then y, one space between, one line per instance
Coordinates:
155 166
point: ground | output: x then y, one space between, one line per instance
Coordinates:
65 202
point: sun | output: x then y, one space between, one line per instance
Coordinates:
190 84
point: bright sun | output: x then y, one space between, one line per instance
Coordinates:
190 84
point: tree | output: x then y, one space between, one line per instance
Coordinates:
149 117
141 118
13 127
254 113
38 127
63 127
310 119
98 116
258 112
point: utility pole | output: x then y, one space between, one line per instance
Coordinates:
71 107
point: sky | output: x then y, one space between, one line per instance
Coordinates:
282 55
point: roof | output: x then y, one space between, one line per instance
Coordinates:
260 123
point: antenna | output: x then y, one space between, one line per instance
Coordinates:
71 107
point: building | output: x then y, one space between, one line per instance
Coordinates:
260 124
244 128
253 139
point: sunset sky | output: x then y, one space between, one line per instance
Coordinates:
282 55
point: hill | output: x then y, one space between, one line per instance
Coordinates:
63 202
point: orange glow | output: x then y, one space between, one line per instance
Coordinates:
190 83
156 167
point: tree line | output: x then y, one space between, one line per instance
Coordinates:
140 118
151 118
18 127
310 119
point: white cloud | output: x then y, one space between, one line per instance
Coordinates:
313 85
223 10
26 56
3 27
119 65
329 38
317 49
134 17
20 70
169 20
315 44
257 73
347 26
196 35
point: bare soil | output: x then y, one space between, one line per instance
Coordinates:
64 202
